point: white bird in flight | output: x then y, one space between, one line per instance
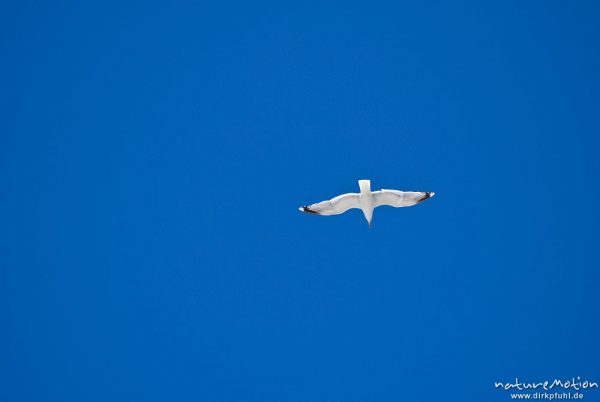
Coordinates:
367 201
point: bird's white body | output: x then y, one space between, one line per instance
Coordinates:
366 201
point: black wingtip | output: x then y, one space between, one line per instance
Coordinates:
426 196
308 210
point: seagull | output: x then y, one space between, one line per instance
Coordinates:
366 200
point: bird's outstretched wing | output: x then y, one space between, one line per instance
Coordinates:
395 198
337 205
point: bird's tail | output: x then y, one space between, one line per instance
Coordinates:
365 186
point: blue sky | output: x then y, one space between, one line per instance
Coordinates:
153 157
